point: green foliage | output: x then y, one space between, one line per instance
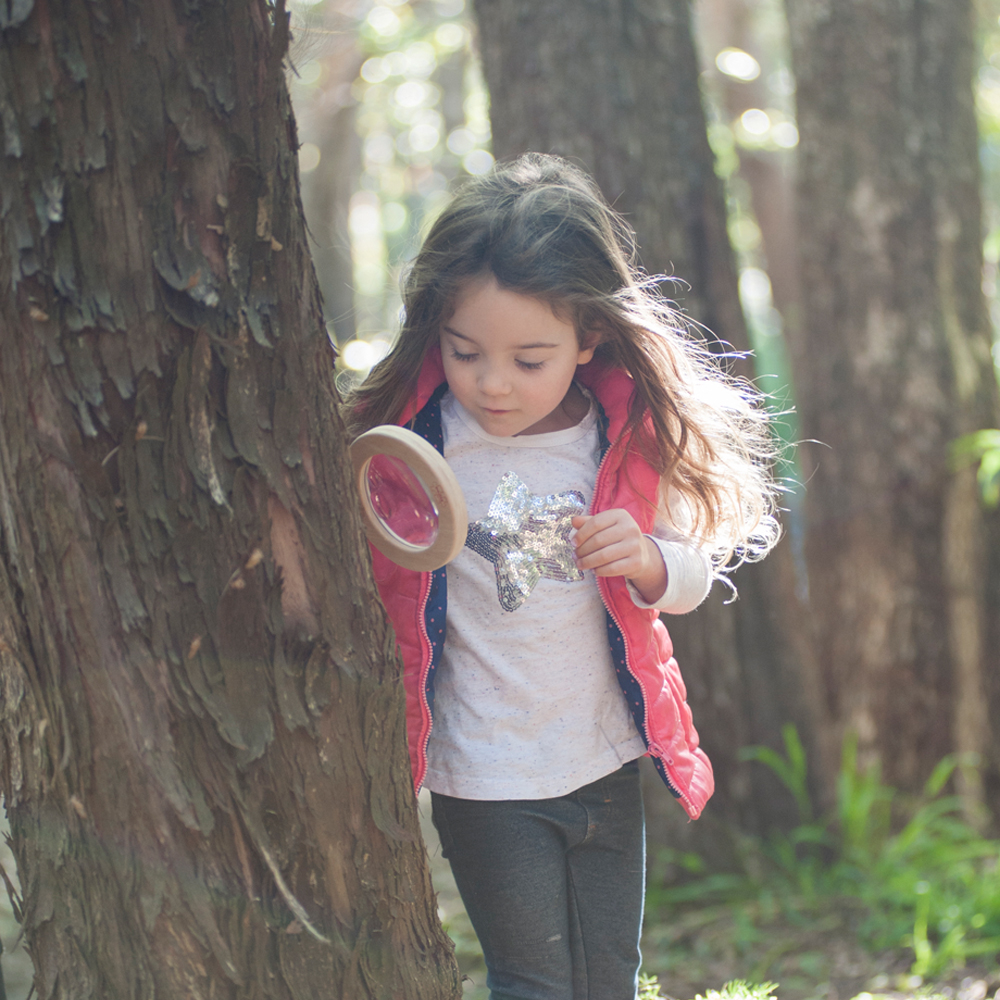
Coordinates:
737 989
918 873
791 768
982 447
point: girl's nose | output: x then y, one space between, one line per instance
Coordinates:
493 382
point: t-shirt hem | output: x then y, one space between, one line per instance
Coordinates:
491 791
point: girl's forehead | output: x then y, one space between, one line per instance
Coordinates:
491 315
484 290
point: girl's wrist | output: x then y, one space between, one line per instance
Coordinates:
651 581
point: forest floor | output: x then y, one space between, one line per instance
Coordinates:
701 950
705 948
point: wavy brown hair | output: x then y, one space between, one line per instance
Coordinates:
540 227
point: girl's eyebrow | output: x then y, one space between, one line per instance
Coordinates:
518 347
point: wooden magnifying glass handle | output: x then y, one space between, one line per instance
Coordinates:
437 479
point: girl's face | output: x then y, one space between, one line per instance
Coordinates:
510 361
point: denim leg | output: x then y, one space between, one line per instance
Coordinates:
607 875
508 860
553 887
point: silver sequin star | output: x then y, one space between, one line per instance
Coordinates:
526 537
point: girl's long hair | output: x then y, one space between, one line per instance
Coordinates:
540 227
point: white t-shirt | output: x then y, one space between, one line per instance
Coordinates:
526 702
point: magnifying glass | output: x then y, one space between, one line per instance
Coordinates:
413 508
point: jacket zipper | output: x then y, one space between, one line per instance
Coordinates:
422 621
650 743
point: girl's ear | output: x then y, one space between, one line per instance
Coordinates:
590 339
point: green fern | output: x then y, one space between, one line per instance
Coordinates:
740 989
737 989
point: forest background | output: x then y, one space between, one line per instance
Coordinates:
822 179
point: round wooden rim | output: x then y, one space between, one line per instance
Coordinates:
438 480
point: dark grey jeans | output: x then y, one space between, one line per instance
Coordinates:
553 887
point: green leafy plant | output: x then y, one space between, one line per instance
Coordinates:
737 989
982 447
917 874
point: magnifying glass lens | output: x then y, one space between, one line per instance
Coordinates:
400 501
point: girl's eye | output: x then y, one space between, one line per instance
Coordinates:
462 357
531 366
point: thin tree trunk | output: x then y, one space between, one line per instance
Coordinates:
769 174
892 365
614 85
201 721
329 120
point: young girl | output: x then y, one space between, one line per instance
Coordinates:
609 467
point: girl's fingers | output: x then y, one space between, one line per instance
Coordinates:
589 527
603 553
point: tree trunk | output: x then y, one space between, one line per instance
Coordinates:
614 85
201 721
892 365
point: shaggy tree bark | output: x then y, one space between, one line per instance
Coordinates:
892 365
614 85
201 721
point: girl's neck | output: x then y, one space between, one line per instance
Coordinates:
574 407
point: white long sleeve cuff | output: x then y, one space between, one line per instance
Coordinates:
689 575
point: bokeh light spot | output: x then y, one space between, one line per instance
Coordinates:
421 59
374 70
461 141
451 36
744 234
384 22
365 218
411 94
785 135
358 355
423 138
379 148
755 121
478 162
394 216
755 289
738 64
309 156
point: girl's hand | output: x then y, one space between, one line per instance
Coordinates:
611 544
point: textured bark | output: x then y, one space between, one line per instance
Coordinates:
201 721
892 365
614 85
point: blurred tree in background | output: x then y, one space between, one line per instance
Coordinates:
893 363
616 87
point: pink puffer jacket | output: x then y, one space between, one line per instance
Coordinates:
641 650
